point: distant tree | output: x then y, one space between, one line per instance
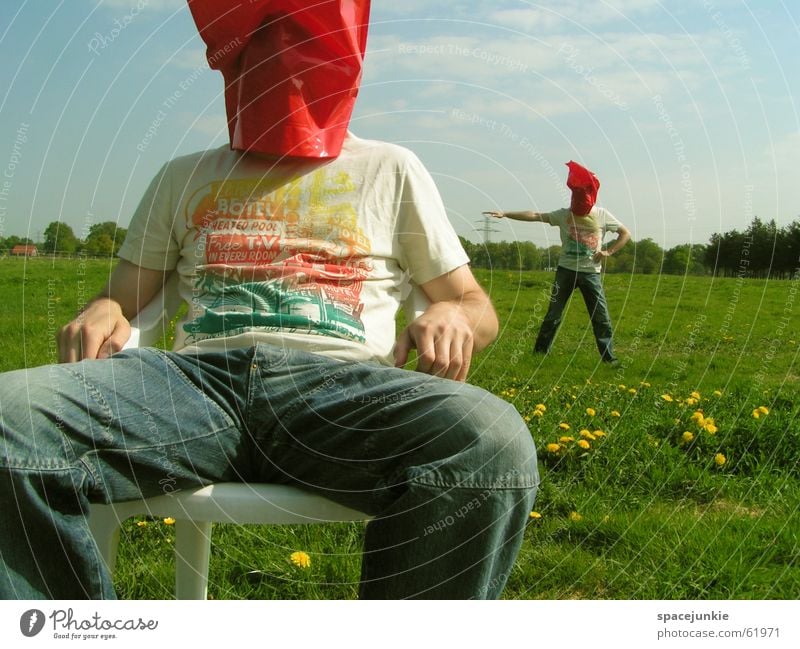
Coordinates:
649 257
104 239
788 261
100 245
685 259
59 237
550 256
14 240
761 239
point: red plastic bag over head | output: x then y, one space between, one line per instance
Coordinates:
584 185
291 67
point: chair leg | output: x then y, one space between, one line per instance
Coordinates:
192 550
105 526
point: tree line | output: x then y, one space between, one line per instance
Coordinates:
102 240
762 250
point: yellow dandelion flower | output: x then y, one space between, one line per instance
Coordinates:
553 448
622 386
615 413
687 436
667 397
591 412
631 390
584 444
527 418
535 515
698 416
717 393
763 410
691 401
141 523
598 433
720 459
756 414
541 406
710 428
566 439
695 395
575 516
169 520
563 426
587 435
538 413
645 384
300 559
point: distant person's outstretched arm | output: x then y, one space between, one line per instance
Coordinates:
519 216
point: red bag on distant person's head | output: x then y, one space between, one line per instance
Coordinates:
584 185
291 67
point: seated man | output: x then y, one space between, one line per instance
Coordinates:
285 371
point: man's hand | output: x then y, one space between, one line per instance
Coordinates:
495 213
443 339
98 332
103 327
459 321
600 255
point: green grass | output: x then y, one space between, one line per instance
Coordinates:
640 514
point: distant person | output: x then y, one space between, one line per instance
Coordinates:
583 227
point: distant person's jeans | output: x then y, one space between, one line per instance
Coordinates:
592 290
448 470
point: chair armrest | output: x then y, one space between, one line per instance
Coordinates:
415 303
150 324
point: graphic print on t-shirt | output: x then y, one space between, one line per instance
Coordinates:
583 238
285 255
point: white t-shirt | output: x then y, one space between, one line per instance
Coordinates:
581 236
313 255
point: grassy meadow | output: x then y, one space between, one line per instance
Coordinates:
673 475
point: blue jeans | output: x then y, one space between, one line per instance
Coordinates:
592 290
448 470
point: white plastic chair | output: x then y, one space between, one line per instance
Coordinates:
194 510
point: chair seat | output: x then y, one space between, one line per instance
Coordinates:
233 502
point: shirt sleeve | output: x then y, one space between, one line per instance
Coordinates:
610 222
150 241
428 246
555 218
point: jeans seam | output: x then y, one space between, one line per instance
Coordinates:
206 399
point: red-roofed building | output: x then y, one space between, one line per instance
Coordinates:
23 250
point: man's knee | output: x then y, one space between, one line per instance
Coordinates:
487 439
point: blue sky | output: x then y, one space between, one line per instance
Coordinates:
687 111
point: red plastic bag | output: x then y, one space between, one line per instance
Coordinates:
292 69
584 185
